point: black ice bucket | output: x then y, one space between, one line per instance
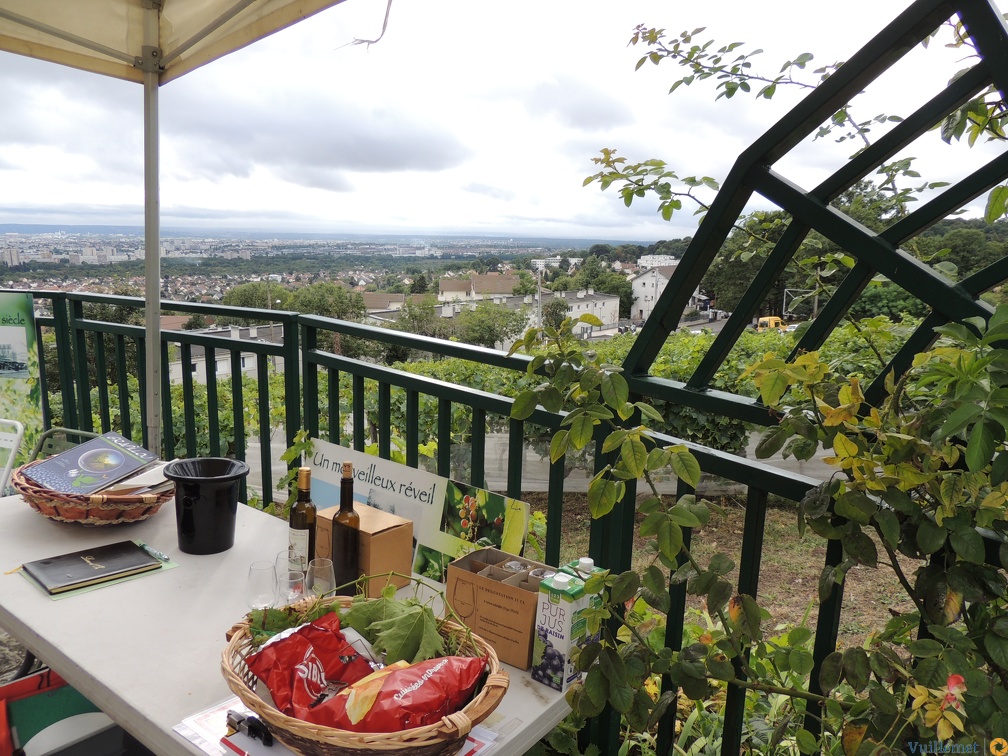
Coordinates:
206 502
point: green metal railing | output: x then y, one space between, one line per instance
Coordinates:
328 391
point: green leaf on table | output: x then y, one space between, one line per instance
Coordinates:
363 613
413 636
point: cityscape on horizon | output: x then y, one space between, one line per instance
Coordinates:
519 241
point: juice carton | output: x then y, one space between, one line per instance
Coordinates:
582 568
560 627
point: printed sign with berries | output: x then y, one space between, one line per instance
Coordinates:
450 518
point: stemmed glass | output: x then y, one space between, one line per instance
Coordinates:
261 585
287 561
320 577
292 587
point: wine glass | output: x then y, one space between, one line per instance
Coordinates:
287 560
261 585
320 577
292 586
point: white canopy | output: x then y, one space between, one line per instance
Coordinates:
108 36
150 42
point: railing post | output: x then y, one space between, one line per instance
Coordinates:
748 583
64 346
292 380
83 380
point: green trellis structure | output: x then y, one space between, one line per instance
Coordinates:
875 253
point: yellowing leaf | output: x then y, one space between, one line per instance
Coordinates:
851 738
844 447
840 415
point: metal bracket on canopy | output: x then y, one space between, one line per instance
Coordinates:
150 60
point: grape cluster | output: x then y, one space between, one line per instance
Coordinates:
549 671
472 518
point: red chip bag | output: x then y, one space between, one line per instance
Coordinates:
299 666
401 696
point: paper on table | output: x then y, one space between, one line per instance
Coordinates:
207 730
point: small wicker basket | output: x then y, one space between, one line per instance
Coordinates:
445 737
96 509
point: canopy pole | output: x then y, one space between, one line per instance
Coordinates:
151 65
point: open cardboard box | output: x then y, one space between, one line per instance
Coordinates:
386 544
498 604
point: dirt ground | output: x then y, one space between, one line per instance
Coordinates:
789 568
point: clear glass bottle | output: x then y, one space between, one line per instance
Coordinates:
346 537
301 522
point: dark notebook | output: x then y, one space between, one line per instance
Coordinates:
92 466
97 565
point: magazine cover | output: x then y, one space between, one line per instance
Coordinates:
91 466
450 518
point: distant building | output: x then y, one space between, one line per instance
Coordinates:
476 287
542 263
249 362
657 261
649 285
603 306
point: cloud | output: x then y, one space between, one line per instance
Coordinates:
494 192
316 138
577 105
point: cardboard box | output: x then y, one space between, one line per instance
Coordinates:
498 604
386 544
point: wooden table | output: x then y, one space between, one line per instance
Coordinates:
147 651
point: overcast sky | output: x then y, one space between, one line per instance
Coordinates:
467 117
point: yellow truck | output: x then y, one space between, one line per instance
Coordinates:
765 324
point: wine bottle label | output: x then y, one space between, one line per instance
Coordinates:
297 545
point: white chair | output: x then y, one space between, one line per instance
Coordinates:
11 433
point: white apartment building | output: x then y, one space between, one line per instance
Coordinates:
649 285
657 261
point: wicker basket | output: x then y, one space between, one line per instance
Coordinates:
96 509
446 737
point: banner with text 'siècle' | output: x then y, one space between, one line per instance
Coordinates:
20 397
450 518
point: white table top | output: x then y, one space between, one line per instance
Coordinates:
147 651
